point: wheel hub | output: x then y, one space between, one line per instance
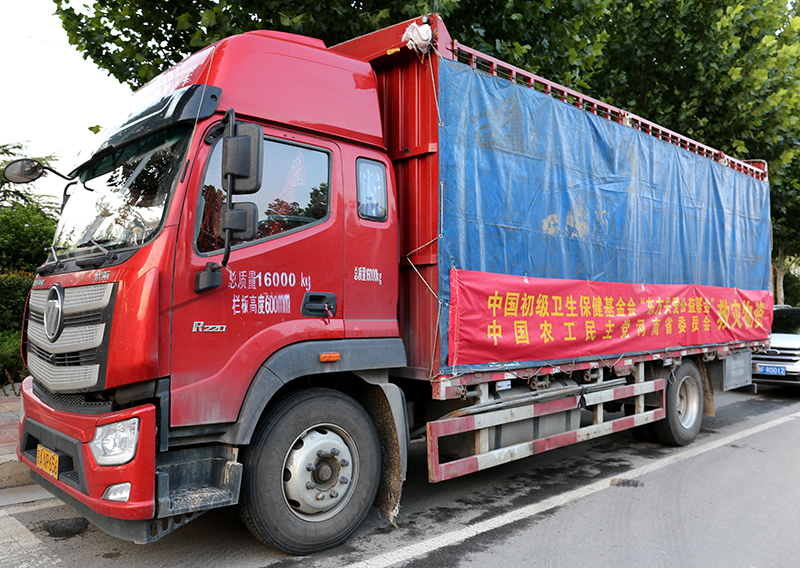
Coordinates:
317 474
688 402
323 473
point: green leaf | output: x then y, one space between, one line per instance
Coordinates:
184 22
208 19
761 75
572 56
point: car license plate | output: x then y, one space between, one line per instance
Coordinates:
47 461
771 370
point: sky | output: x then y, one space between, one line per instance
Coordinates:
52 104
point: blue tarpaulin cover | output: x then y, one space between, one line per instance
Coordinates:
533 186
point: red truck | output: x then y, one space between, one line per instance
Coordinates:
287 261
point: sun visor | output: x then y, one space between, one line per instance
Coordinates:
189 104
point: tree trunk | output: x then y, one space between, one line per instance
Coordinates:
780 271
781 265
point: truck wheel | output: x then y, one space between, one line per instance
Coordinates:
311 472
684 400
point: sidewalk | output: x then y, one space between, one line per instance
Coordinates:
16 486
12 473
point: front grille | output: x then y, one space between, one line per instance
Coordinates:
71 320
76 359
71 402
777 356
71 478
64 359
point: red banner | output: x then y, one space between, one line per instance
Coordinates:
497 317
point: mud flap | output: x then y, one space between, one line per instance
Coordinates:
386 406
708 391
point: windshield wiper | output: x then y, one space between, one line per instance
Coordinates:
110 256
97 261
52 267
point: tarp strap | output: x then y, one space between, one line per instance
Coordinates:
408 258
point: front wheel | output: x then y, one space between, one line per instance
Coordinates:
311 472
684 406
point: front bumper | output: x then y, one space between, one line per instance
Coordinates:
790 369
81 482
791 380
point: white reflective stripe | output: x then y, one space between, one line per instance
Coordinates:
597 430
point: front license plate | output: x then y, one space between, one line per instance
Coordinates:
47 461
771 370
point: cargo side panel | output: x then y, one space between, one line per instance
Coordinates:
534 187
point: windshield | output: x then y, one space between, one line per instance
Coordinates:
786 321
121 197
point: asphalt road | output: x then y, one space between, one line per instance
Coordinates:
728 500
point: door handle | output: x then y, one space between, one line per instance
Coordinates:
319 305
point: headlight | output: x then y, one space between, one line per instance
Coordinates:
115 444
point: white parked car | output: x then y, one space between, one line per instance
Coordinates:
780 364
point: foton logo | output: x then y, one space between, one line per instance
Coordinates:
54 313
201 327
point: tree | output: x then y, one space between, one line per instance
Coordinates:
724 73
720 72
792 287
27 221
26 232
785 202
12 192
137 39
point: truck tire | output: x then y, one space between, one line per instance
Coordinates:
311 472
684 406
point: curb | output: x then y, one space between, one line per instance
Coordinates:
13 473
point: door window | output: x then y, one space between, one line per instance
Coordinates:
294 193
372 196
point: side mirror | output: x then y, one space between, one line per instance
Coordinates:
208 279
241 220
23 171
242 157
242 169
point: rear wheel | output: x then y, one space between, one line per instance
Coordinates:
311 472
684 401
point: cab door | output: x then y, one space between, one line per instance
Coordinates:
271 289
371 246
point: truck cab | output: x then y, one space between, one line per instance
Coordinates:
162 324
